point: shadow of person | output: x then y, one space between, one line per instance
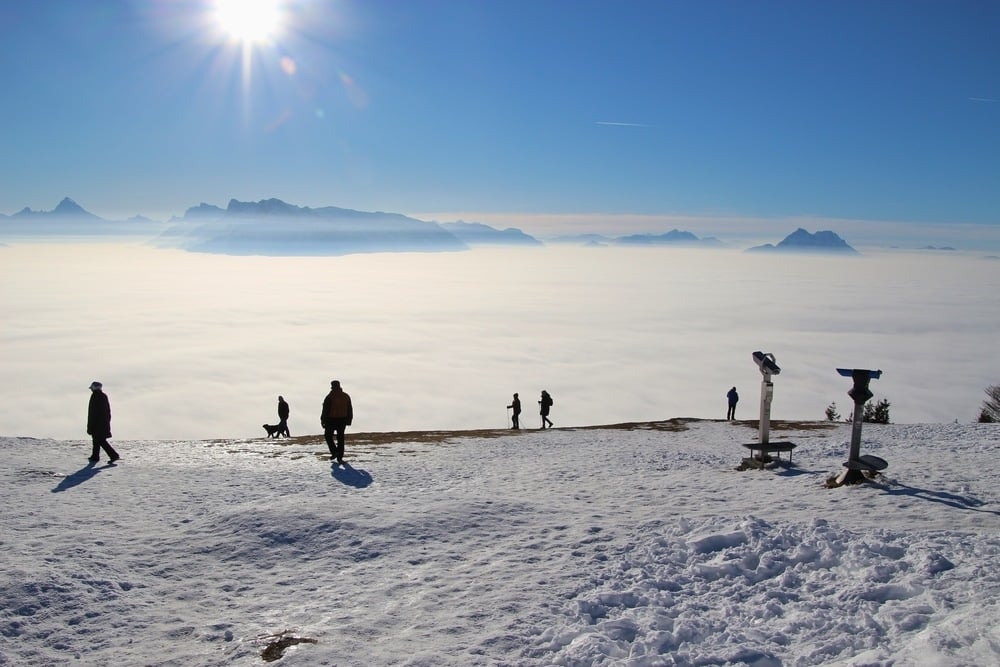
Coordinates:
345 474
79 477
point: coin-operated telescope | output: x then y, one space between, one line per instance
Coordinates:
858 464
768 366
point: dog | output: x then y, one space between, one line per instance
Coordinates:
273 430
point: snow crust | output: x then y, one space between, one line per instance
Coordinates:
631 545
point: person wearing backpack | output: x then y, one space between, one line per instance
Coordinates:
337 415
546 403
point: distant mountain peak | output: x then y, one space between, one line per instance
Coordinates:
275 227
802 240
272 206
477 233
674 237
202 211
68 207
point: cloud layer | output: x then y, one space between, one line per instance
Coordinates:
200 346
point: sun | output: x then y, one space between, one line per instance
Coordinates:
249 21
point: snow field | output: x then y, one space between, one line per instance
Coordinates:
632 545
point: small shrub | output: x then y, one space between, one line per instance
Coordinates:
876 413
831 412
990 412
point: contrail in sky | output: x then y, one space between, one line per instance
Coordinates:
608 122
982 99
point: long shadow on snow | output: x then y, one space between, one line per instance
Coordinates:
79 477
943 497
793 471
345 474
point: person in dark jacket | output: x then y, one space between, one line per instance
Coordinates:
545 403
283 417
734 398
515 405
337 415
99 423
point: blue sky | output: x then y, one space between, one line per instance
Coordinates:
883 111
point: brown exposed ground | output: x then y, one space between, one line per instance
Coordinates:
398 441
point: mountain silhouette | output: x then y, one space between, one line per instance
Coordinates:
801 241
475 233
67 208
70 220
674 237
274 227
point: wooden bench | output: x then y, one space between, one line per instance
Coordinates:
769 448
867 463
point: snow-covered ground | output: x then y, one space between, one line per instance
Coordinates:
630 545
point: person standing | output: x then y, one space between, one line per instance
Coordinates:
337 415
99 423
515 405
734 398
545 403
283 417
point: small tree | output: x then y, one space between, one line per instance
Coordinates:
991 406
876 413
831 412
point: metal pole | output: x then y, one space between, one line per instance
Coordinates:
766 393
856 432
859 393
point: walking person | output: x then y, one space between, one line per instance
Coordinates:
546 403
734 398
99 423
337 415
515 405
283 417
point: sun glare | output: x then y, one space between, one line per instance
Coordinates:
249 21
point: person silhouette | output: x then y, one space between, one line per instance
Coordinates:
99 423
283 412
337 415
546 404
515 405
733 398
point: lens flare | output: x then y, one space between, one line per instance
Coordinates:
357 96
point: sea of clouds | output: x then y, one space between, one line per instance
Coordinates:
200 346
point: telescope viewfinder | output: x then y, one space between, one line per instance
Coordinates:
766 363
851 372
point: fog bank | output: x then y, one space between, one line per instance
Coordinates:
200 346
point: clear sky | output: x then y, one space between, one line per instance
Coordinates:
837 109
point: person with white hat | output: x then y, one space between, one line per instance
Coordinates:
99 423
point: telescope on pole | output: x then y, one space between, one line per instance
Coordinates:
768 367
857 464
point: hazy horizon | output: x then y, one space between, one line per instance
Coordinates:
200 346
732 232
